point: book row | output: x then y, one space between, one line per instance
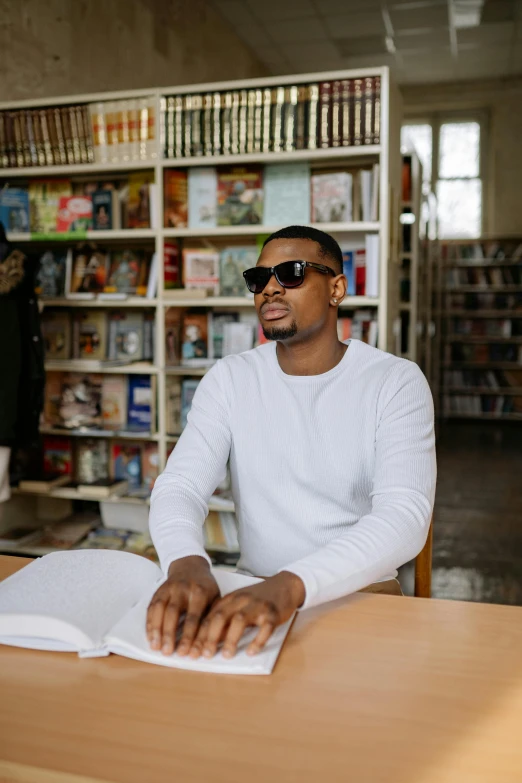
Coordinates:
487 327
340 113
117 336
461 352
89 401
485 301
49 206
88 270
476 404
278 194
493 379
101 132
493 250
482 276
220 272
197 339
83 531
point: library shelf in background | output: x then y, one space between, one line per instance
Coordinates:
357 129
482 317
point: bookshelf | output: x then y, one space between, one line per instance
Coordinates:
385 154
481 313
409 219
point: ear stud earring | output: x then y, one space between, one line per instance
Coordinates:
335 300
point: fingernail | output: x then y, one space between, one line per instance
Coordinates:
183 649
227 653
155 640
207 652
251 651
166 649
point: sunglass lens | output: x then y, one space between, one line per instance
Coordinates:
256 279
290 273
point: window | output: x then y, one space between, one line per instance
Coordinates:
450 152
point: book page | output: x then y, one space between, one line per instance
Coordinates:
129 638
72 598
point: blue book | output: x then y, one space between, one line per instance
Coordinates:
139 409
14 209
349 270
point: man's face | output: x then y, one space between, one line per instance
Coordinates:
301 311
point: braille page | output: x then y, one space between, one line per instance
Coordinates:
129 638
70 600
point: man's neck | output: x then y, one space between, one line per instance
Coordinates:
310 358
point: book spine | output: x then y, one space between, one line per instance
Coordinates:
170 118
267 111
251 100
376 112
258 120
64 113
4 158
55 122
187 126
38 143
19 147
197 142
53 136
26 137
111 120
325 115
88 133
176 130
124 129
313 117
278 101
216 123
346 113
357 112
301 117
208 130
10 140
76 337
152 129
75 133
336 114
234 124
243 121
143 128
134 130
98 130
368 111
46 138
290 118
226 124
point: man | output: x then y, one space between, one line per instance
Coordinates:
332 462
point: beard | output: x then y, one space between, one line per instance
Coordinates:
280 332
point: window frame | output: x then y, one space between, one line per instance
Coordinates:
438 118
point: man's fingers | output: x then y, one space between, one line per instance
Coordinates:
235 631
196 607
217 622
155 620
170 627
265 632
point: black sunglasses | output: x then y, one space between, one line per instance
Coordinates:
289 274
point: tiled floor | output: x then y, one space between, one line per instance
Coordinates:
477 551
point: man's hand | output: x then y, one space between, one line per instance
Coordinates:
190 588
265 605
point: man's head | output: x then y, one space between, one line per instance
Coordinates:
310 308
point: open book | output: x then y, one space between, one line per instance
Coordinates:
95 603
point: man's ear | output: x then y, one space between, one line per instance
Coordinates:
338 289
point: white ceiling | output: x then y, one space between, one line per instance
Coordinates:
419 39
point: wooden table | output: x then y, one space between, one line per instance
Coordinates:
373 689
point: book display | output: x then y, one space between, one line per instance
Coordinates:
142 212
482 329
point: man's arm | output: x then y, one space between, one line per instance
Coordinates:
197 465
177 513
395 529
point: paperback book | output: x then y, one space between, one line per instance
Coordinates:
195 340
50 277
14 209
201 270
233 262
202 197
175 206
240 196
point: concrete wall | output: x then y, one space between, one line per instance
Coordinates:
502 101
60 47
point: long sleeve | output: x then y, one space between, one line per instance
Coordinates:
195 468
402 498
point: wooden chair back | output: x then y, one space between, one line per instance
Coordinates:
423 567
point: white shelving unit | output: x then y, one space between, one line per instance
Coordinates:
386 154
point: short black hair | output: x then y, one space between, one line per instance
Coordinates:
327 244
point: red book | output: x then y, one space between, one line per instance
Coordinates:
360 272
57 456
171 265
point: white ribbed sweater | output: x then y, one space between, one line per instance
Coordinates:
333 475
